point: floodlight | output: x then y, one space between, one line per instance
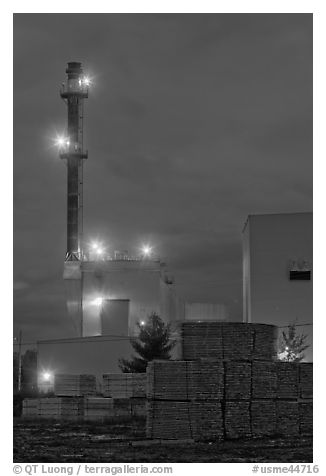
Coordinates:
146 250
46 376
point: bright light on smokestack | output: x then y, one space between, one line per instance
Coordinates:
86 81
62 141
146 250
142 323
98 301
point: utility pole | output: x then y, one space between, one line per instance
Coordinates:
20 361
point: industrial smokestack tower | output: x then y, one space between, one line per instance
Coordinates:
73 92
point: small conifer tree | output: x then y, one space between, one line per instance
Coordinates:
292 345
153 342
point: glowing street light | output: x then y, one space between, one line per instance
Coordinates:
142 323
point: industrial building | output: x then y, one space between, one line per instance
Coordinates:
277 271
106 295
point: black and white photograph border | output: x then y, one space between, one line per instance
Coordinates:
163 238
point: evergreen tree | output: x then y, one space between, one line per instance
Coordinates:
153 342
292 346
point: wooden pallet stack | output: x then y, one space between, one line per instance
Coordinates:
124 385
70 385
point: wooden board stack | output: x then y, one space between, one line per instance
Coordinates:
237 380
185 380
287 380
287 417
124 385
184 419
306 417
74 385
263 418
98 408
306 380
228 385
30 407
228 341
69 408
237 419
264 379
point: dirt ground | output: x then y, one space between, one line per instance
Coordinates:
44 441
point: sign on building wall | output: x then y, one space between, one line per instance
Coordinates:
299 270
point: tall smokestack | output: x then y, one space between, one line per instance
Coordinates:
73 92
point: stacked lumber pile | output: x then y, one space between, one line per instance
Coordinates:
287 380
264 379
237 419
30 407
228 341
74 385
138 406
263 418
287 418
184 419
306 417
184 380
124 385
237 380
98 408
306 380
185 399
87 408
60 407
265 342
228 386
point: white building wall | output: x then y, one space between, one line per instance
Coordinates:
204 311
139 281
270 244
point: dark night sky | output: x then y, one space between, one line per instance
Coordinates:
193 122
